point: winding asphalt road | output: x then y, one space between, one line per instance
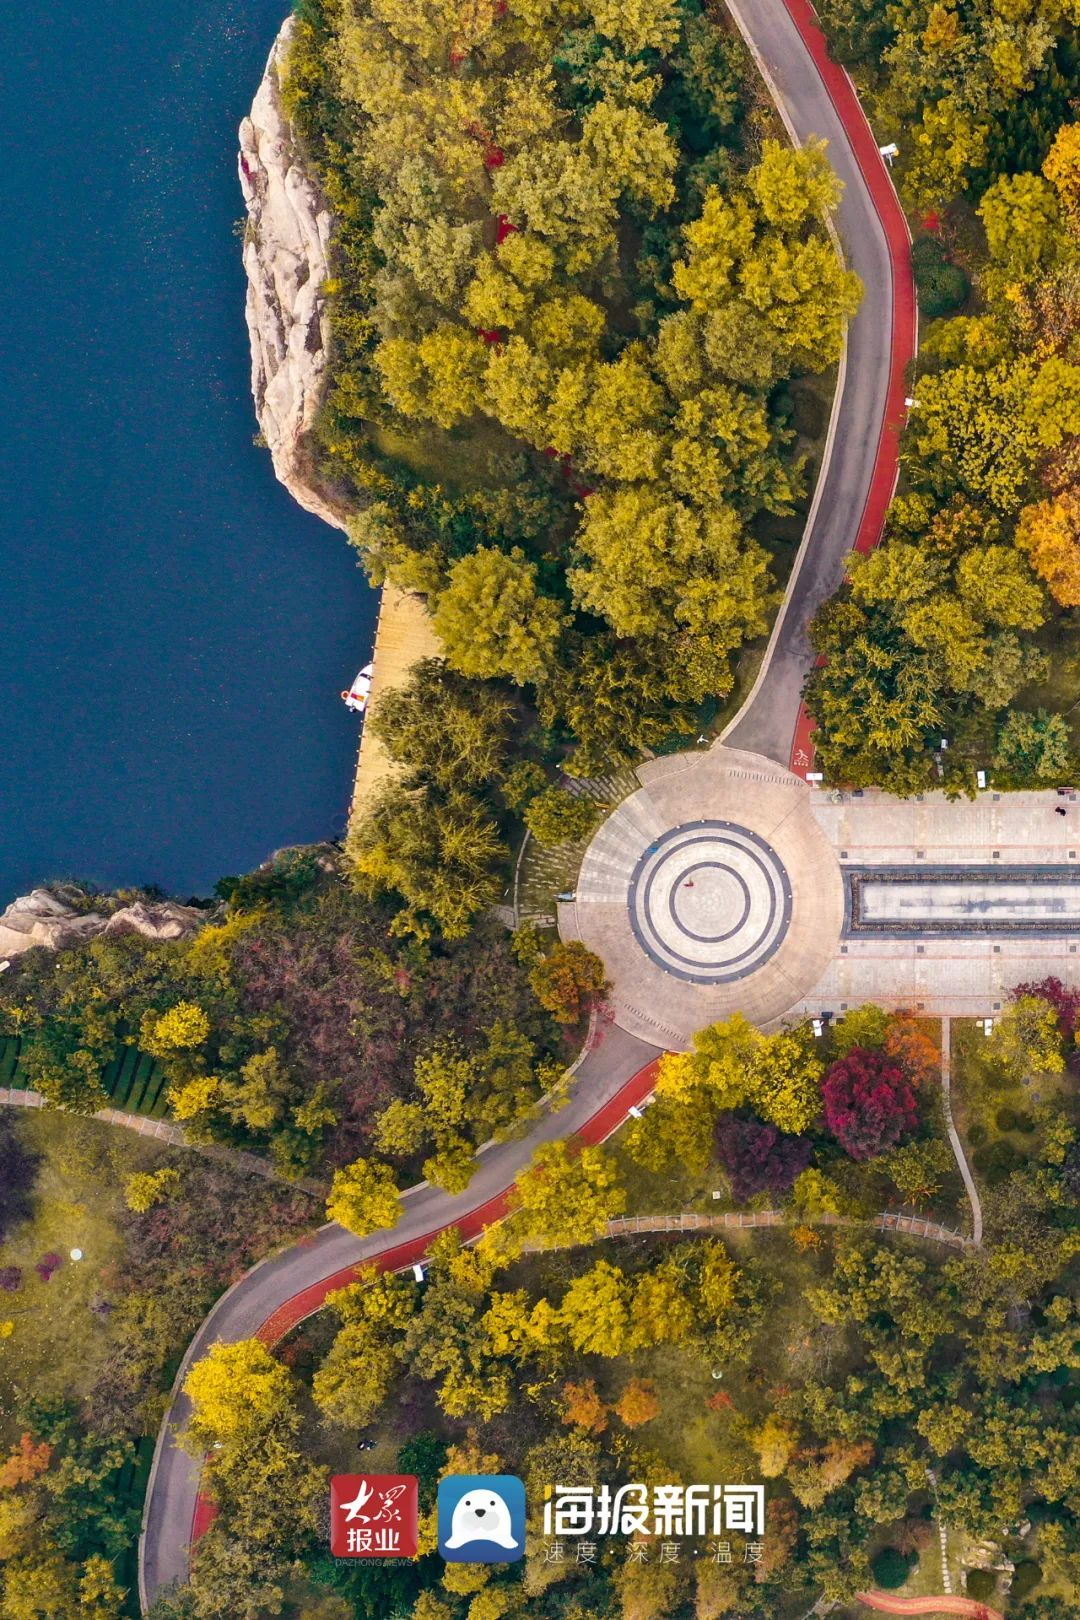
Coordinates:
814 99
284 1289
858 474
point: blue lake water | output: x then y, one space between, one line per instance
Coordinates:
175 630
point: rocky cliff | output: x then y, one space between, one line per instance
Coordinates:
286 259
45 917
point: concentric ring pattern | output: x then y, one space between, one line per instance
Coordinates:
709 901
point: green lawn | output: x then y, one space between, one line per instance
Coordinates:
1060 692
993 1111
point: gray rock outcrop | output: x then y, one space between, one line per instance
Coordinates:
44 918
286 260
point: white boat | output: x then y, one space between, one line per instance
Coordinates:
356 697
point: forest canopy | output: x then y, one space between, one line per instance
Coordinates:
962 626
575 272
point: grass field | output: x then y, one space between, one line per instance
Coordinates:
60 1342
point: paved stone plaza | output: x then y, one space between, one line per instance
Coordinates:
727 884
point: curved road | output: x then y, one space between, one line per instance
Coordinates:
282 1290
858 473
286 1288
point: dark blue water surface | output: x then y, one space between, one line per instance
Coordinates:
175 629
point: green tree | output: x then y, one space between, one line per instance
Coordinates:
364 1197
918 1169
558 817
68 1076
442 855
493 620
1034 745
566 1196
443 729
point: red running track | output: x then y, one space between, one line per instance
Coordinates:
905 327
887 1603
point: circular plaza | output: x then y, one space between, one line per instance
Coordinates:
710 890
709 902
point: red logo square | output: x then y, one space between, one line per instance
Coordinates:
373 1515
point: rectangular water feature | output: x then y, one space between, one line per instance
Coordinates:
897 902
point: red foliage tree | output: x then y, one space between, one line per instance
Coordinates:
869 1102
569 982
758 1157
25 1463
1065 1002
907 1041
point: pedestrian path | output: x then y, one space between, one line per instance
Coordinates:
168 1132
742 1219
954 1135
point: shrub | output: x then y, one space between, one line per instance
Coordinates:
941 286
10 1279
869 1102
809 419
638 1403
1034 747
524 782
996 1162
1026 1578
1014 1119
47 1265
981 1584
583 1408
783 405
758 1157
890 1568
179 1030
145 1189
1070 1171
557 817
424 1455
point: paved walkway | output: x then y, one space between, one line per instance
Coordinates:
727 884
742 1219
288 1287
954 1135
